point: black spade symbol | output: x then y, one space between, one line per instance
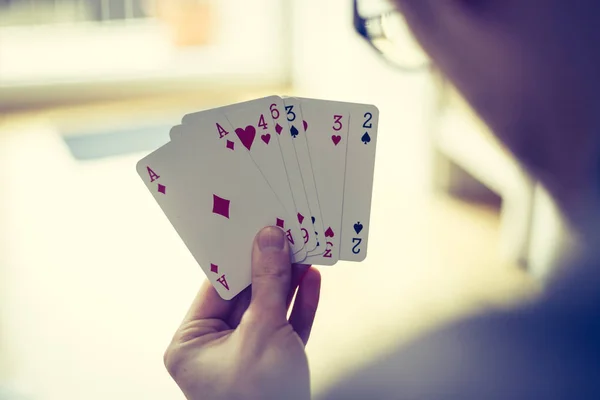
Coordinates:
358 227
365 138
294 131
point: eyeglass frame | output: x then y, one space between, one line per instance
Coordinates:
361 26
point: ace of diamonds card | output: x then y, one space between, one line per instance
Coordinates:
217 201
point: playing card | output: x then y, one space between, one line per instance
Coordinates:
287 134
194 138
358 181
327 136
297 131
304 165
217 202
253 130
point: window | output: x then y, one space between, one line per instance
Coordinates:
52 43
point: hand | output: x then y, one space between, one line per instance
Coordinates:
246 348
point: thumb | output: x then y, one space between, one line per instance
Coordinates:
271 275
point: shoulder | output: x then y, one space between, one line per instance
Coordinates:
540 350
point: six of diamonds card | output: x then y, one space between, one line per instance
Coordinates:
304 165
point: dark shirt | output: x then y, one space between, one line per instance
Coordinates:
547 349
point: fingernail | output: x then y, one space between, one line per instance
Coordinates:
271 238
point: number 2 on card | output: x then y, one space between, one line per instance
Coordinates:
368 123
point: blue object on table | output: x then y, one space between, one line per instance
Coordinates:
90 146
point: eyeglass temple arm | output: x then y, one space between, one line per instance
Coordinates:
359 22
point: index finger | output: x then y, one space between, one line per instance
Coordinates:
298 272
208 305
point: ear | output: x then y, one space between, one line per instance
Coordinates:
428 18
419 13
423 19
445 27
429 14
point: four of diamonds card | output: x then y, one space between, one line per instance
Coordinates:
301 164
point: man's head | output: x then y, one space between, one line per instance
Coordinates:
530 69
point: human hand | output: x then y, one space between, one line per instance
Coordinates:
246 348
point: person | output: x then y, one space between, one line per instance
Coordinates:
530 70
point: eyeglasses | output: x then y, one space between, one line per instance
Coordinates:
388 34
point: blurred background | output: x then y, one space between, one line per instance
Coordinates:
93 279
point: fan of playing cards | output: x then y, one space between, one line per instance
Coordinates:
303 165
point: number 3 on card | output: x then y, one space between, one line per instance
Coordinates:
291 115
337 122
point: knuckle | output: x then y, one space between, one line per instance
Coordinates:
170 359
196 329
273 266
174 360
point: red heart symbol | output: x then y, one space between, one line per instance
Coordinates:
305 125
246 135
300 217
336 139
329 232
266 138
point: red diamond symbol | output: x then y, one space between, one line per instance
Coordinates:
214 268
220 206
280 223
162 188
230 144
300 217
278 129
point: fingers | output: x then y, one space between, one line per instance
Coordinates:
298 272
305 306
271 275
243 299
208 304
